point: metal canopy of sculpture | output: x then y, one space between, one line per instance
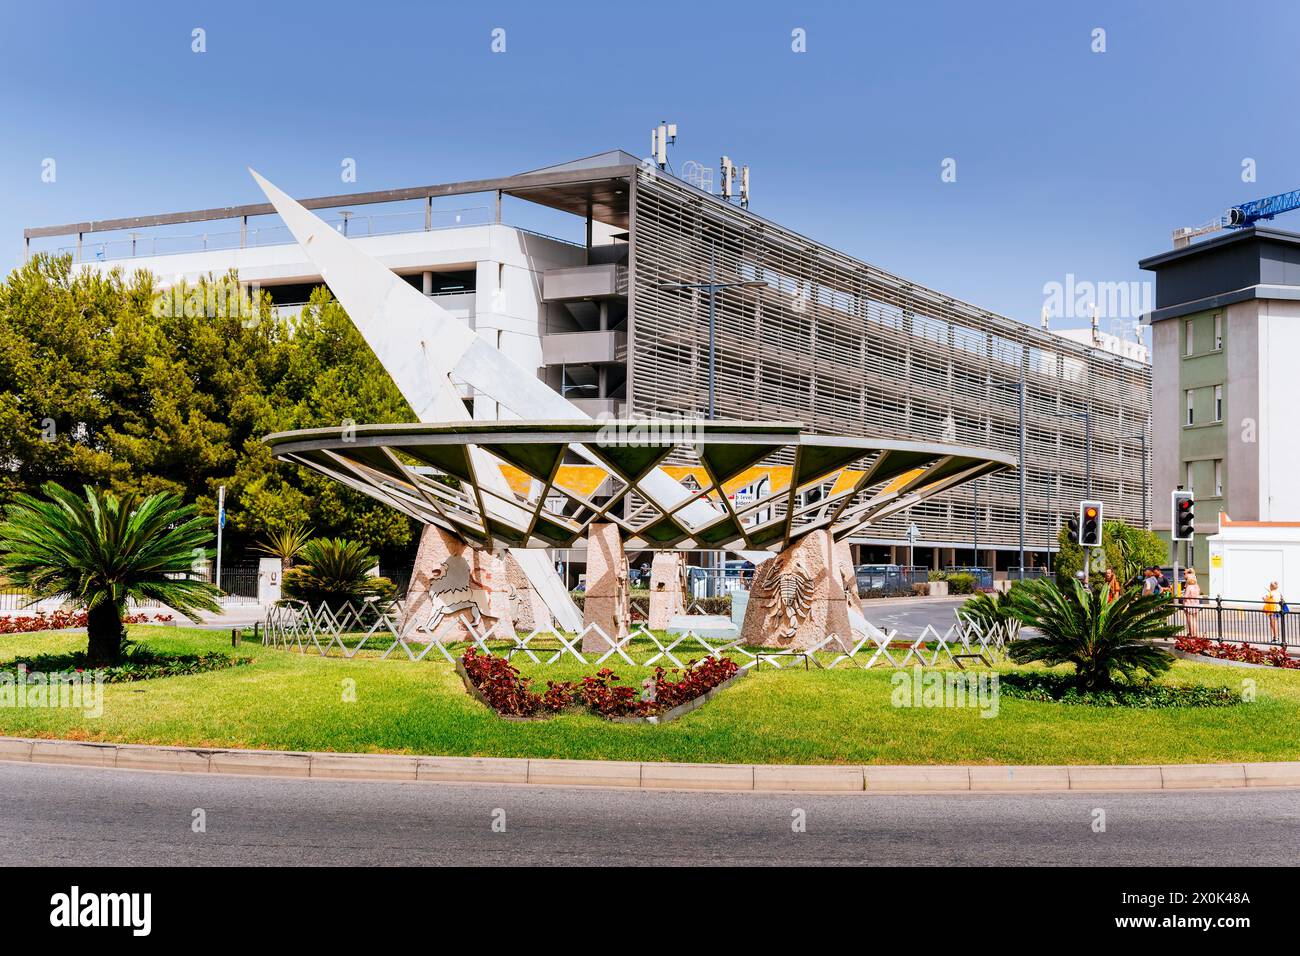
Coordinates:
770 483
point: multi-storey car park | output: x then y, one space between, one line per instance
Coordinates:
618 322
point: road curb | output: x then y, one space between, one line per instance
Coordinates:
797 778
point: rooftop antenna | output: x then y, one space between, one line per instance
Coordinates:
1047 319
1096 329
661 137
727 173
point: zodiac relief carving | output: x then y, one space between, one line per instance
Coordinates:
787 585
455 586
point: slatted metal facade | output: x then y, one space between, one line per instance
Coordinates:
850 349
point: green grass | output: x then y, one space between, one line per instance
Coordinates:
288 701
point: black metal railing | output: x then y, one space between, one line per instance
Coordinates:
1026 574
238 584
1237 622
889 580
983 576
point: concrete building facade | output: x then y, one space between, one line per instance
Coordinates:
609 318
1225 334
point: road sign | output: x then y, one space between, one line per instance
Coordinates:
913 533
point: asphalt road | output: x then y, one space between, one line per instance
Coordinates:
89 817
910 617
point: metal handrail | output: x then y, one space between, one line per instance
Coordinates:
385 224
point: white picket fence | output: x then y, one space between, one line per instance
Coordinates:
295 626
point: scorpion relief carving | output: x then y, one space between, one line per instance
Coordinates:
788 590
799 597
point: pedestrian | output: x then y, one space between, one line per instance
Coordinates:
1150 584
1113 587
1162 581
1273 607
1191 601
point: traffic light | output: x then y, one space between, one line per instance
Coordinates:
1184 519
1090 524
1073 525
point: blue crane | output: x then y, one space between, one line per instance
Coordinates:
1239 217
1249 213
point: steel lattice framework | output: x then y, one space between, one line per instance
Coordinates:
850 349
837 484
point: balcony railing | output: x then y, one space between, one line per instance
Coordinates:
356 226
584 348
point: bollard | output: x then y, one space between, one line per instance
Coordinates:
234 637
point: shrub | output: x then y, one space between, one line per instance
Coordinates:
1127 551
335 572
959 582
58 620
1100 637
1275 656
509 694
137 664
1064 689
986 611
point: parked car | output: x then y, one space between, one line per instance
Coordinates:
872 577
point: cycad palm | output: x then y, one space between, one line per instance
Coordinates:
1100 637
286 544
332 571
98 551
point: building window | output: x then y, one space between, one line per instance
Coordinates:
1218 403
1218 330
1191 412
1218 477
1188 340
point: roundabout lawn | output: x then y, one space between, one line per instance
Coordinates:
288 701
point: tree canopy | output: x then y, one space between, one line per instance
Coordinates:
1126 549
106 380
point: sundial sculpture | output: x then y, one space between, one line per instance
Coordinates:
503 491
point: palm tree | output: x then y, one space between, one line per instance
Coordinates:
1100 637
986 611
285 544
98 551
335 572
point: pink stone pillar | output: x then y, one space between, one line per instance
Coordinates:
848 576
606 601
526 605
453 586
667 588
798 597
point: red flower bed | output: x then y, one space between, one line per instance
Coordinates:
55 620
1275 656
509 694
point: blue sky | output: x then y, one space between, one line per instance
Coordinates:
1068 161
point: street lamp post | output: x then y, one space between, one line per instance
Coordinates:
1146 494
1086 415
1020 411
712 288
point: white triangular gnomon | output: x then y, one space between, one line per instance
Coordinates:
423 347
